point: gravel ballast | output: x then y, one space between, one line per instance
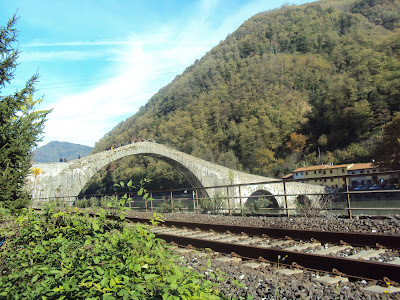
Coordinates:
239 282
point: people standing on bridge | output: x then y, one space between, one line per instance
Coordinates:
61 160
79 156
65 159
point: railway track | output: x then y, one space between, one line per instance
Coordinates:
355 255
365 259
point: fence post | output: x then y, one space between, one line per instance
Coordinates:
229 200
286 205
346 182
129 199
241 202
151 201
172 202
197 203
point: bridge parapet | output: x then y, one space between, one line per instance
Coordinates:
68 178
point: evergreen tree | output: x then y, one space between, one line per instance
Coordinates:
20 125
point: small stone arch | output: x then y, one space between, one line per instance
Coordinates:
303 201
262 194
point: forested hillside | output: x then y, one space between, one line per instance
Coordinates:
295 86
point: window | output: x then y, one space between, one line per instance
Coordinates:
319 171
315 172
324 180
352 172
368 171
331 171
331 179
301 173
362 171
324 172
342 170
306 173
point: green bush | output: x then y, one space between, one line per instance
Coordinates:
214 205
64 255
167 207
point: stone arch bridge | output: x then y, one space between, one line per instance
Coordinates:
68 178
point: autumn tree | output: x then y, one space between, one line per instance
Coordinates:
387 152
297 142
20 125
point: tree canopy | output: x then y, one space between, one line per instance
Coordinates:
20 125
387 152
293 86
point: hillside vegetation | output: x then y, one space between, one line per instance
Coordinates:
294 86
53 151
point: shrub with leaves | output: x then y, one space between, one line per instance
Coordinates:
65 255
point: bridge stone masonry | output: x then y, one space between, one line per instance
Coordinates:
68 178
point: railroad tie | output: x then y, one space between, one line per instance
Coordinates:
334 249
254 265
235 260
328 280
250 241
289 272
395 262
303 246
376 289
367 254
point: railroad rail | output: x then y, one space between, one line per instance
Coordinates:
270 244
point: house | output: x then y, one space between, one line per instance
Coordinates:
322 175
366 175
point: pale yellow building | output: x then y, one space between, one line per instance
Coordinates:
366 175
322 173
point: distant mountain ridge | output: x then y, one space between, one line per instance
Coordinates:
53 151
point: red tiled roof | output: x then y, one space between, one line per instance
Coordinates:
321 167
287 176
363 166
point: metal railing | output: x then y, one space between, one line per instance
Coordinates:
229 199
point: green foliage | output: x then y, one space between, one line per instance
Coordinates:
257 204
326 73
387 152
20 125
169 206
64 255
216 204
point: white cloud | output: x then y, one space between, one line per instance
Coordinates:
145 63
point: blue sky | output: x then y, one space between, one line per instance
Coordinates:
99 61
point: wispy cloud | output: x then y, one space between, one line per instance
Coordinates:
141 65
78 43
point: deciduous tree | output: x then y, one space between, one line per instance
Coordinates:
387 152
